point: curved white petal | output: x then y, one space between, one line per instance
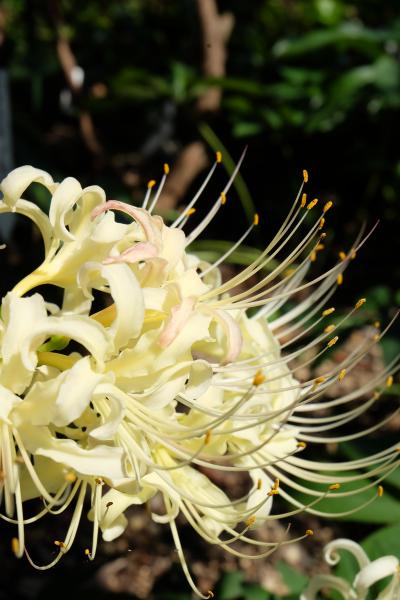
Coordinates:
8 401
100 461
75 392
179 317
319 582
116 406
20 341
64 198
16 182
33 212
129 302
332 557
232 332
375 571
134 254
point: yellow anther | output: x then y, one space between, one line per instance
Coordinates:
218 156
389 381
334 486
190 211
303 200
380 491
70 477
333 341
301 445
59 544
305 175
259 378
275 485
376 395
166 168
250 521
309 532
207 437
342 255
342 374
289 272
210 594
320 247
15 545
223 197
339 279
360 302
322 236
319 380
259 484
328 205
311 204
353 255
321 223
329 328
377 324
376 337
151 183
313 256
256 219
328 311
99 481
273 492
87 551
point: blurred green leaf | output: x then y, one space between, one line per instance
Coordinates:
239 183
350 34
231 586
295 580
382 542
251 591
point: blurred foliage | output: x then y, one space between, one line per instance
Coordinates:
309 83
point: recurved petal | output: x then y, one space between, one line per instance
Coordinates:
8 401
116 411
142 217
26 328
33 212
129 302
75 392
64 198
16 182
375 571
99 461
22 317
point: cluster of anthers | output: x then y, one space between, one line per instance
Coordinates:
179 376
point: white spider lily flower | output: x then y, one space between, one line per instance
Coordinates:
370 573
181 376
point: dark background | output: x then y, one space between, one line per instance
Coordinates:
107 91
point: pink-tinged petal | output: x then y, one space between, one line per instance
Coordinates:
179 317
138 214
136 253
234 339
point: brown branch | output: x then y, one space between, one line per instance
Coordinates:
216 29
70 67
191 161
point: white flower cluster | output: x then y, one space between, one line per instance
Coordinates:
370 573
171 377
